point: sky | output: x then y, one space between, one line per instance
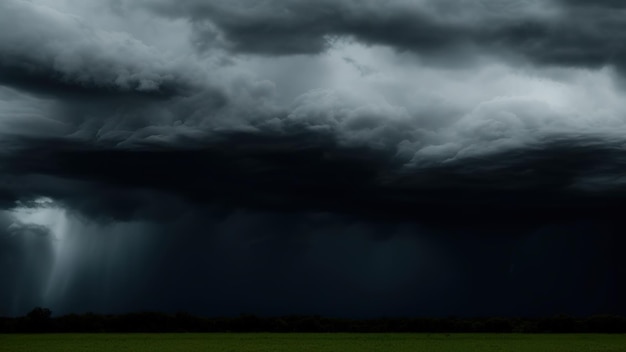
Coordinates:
336 157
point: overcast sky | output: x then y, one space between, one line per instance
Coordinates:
334 157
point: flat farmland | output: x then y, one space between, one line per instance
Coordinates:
313 342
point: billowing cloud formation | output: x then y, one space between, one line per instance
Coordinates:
364 146
577 33
301 27
66 52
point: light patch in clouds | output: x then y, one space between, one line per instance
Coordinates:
526 111
45 213
70 250
66 49
445 113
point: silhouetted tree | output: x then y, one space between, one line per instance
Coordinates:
38 319
39 314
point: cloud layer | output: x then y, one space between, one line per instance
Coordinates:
457 129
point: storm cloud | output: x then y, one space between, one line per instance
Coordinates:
569 33
346 158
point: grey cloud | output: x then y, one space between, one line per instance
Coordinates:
186 164
573 33
373 125
245 104
610 4
300 27
24 114
63 76
59 53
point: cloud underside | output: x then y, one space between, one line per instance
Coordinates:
570 33
99 105
392 148
559 182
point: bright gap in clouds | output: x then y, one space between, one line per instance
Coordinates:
46 213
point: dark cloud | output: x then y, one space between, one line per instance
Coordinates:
47 81
310 263
144 164
300 27
313 228
308 172
608 4
571 33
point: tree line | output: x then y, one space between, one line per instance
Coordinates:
41 320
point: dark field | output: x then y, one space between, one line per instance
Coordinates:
296 342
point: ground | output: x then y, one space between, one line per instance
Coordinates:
298 342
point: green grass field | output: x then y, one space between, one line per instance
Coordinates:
313 342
